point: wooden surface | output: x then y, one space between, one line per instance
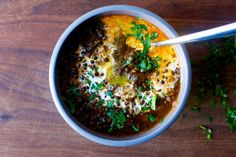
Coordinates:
29 122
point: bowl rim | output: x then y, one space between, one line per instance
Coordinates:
55 92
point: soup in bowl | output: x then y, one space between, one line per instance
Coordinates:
108 81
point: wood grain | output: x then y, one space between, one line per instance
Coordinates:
29 122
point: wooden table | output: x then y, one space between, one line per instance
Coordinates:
30 125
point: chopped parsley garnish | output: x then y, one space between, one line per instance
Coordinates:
152 102
161 120
126 63
100 102
144 62
92 96
154 36
144 108
149 82
74 91
135 129
165 94
87 81
110 103
144 97
139 94
95 68
100 85
94 87
97 87
72 106
72 94
137 30
118 101
151 118
90 73
118 120
206 131
149 85
109 93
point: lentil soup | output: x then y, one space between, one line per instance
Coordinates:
112 80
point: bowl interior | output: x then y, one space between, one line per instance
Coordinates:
67 43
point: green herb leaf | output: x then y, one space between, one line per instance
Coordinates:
94 87
126 63
149 82
146 44
219 90
144 97
207 131
151 118
90 73
111 114
209 118
153 102
110 129
110 103
118 120
97 87
109 93
120 117
165 94
143 26
139 94
213 103
144 62
135 129
144 109
92 96
95 68
195 108
154 36
143 65
231 118
234 93
87 80
118 101
100 102
161 120
74 91
211 82
72 106
224 103
100 85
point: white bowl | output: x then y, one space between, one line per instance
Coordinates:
185 70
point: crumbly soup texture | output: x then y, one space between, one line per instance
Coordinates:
119 84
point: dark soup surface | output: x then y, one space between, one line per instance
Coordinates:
112 80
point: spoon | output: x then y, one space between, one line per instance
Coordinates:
217 32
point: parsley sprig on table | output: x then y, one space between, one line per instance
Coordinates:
144 62
212 83
206 131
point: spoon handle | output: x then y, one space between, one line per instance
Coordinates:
218 32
